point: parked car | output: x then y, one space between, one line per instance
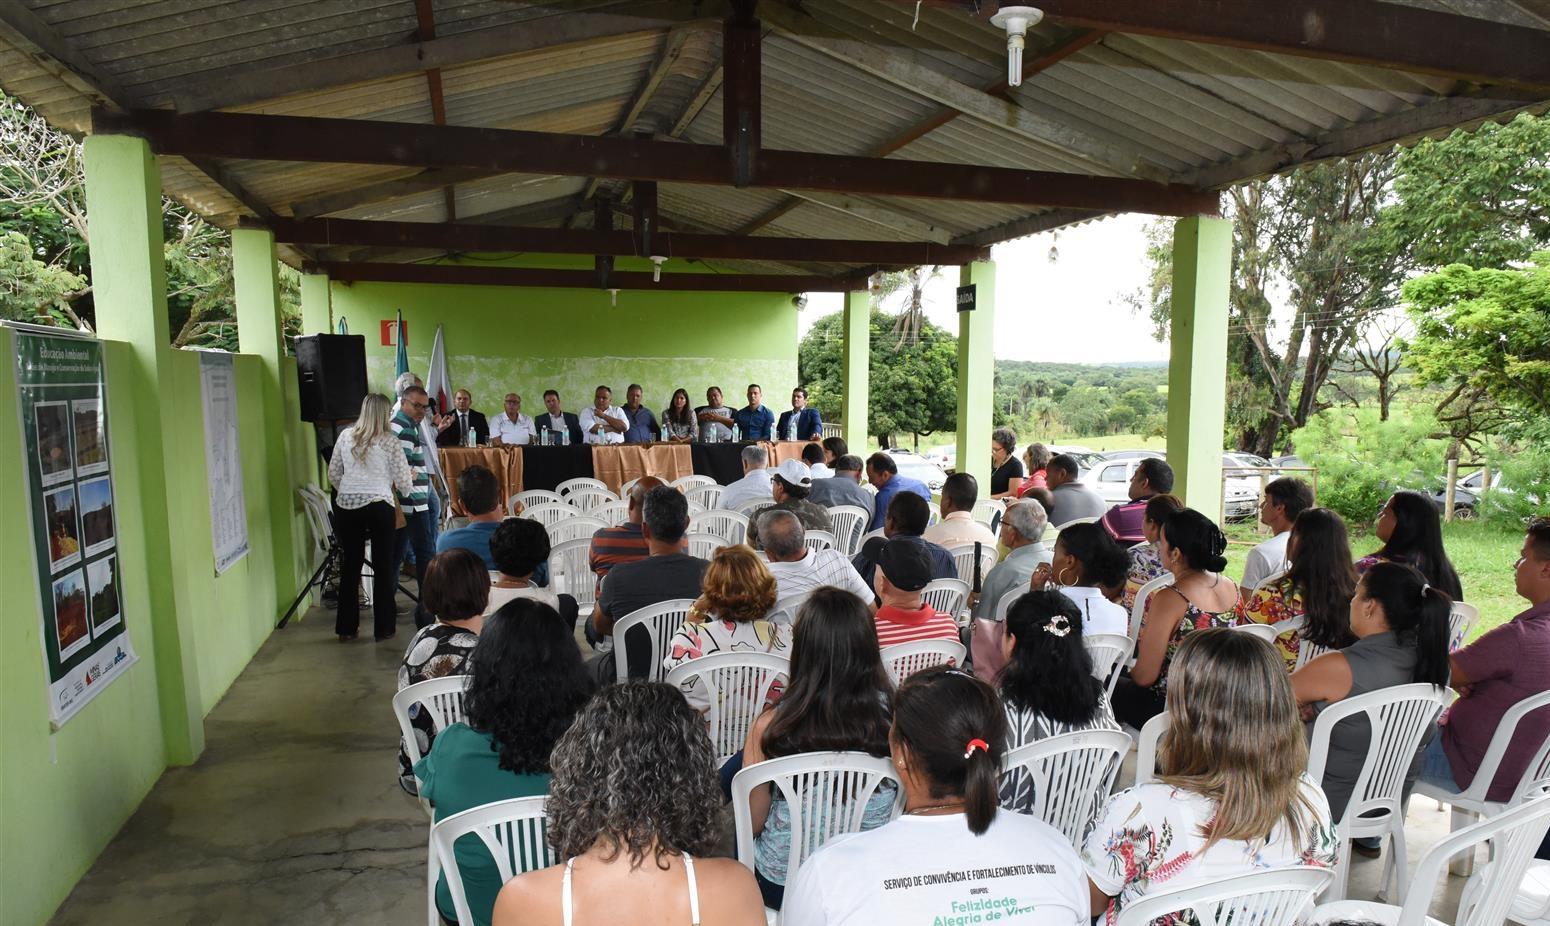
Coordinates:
1110 476
918 467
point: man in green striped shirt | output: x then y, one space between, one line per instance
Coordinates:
419 521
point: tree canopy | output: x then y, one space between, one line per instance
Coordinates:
913 383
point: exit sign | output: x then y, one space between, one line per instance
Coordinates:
966 298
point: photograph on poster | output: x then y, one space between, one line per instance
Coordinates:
52 421
102 582
70 614
64 535
91 451
97 515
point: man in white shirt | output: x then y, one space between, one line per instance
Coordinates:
511 428
1283 501
812 455
755 484
797 569
601 422
715 418
959 493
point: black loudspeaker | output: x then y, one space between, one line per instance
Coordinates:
331 374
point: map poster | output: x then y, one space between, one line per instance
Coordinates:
223 465
62 403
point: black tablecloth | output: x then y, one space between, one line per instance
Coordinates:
547 467
722 462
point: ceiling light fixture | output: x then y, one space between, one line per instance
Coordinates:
1016 20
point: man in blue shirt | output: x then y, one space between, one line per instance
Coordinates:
884 476
478 491
642 423
809 424
755 422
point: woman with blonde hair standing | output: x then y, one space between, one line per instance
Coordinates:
366 467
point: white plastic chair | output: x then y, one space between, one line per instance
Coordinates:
818 540
752 510
963 560
1512 837
659 621
705 545
1461 619
1109 652
570 573
987 510
1008 598
1266 632
624 490
946 596
573 529
512 830
585 499
1398 716
738 685
691 482
1276 897
612 514
905 659
580 482
1146 747
532 497
1271 579
784 611
1071 775
706 494
1093 520
1143 595
848 523
1306 651
550 513
729 525
1531 906
443 698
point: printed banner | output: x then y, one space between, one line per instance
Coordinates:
223 463
63 407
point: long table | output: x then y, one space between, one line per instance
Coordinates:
531 467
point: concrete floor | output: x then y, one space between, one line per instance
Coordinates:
293 814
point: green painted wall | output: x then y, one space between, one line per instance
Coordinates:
503 339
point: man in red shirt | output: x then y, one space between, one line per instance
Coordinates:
903 569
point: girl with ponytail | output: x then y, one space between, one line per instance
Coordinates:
951 854
1401 627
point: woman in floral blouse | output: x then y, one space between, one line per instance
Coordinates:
1144 564
729 617
1317 587
1232 795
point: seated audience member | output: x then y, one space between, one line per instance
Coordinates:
1199 598
790 486
1232 794
1411 531
959 493
666 574
680 425
478 492
755 484
903 570
519 546
833 449
883 473
647 841
457 587
1318 587
948 736
625 543
1084 565
715 418
1007 478
555 420
1035 459
844 487
525 685
1280 504
1153 477
1501 668
797 569
1070 498
1401 629
461 422
642 423
1144 564
836 699
1047 685
907 517
1022 533
602 422
801 422
512 428
754 420
729 616
813 456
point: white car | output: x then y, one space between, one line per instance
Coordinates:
918 467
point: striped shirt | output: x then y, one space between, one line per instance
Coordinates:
818 568
614 545
408 434
896 625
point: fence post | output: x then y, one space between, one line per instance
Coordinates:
1453 476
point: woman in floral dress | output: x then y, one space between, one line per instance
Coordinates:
729 617
1317 587
1144 564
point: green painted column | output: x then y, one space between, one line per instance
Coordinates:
317 311
857 369
1197 364
259 332
129 289
977 373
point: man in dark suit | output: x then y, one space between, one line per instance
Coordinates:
454 427
554 419
809 425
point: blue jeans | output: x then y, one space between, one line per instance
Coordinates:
435 503
419 534
1435 767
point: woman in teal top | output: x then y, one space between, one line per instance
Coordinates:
526 683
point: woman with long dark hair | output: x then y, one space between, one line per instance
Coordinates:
952 853
1411 531
1317 587
1047 683
680 425
836 699
526 683
1087 567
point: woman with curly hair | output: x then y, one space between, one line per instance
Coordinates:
729 616
526 683
1035 458
635 811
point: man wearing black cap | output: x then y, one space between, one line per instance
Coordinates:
903 570
906 520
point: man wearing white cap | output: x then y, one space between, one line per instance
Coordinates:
790 485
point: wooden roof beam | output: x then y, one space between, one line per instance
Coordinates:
587 279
